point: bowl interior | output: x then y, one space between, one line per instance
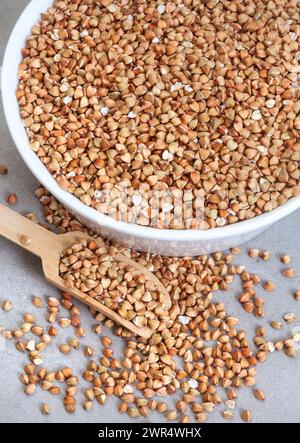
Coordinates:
12 58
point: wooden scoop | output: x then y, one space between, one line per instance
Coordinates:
48 246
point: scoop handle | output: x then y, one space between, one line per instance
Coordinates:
25 233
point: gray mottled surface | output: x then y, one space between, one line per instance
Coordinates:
21 277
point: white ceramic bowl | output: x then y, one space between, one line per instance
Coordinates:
165 242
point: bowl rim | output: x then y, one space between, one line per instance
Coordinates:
18 133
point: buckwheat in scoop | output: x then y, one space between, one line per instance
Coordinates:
93 270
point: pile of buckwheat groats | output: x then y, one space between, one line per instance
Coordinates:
197 355
93 269
182 95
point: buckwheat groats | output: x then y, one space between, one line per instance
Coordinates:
195 362
93 269
184 97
